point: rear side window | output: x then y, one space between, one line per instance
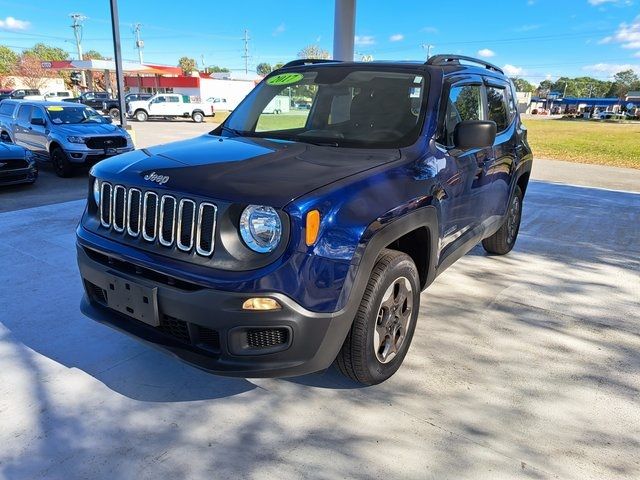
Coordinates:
7 108
24 113
464 103
497 105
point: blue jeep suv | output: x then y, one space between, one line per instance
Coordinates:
278 244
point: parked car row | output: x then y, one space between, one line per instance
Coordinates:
66 134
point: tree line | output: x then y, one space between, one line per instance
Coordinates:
622 83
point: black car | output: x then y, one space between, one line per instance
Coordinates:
112 106
91 99
17 165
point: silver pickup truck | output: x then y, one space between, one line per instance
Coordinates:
66 134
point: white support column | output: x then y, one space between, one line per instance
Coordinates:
344 30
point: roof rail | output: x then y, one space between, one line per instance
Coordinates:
307 61
452 59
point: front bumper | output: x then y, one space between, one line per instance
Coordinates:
19 175
209 329
92 156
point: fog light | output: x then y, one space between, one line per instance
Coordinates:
260 303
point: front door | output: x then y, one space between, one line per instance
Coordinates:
464 179
38 133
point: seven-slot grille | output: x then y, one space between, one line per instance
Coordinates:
162 218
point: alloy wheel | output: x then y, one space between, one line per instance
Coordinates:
392 320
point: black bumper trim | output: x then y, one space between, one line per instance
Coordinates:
315 338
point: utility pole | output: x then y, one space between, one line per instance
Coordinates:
115 28
428 48
78 18
139 41
246 52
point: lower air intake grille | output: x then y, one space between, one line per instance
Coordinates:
96 293
208 338
267 337
175 328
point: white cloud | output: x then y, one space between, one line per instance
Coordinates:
364 40
627 36
396 38
486 53
279 29
429 30
512 70
615 2
527 28
11 23
610 69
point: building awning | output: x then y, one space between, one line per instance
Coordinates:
101 65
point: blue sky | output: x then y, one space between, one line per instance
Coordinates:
535 39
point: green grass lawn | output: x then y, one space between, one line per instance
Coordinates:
616 144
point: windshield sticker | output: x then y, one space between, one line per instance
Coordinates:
284 79
55 109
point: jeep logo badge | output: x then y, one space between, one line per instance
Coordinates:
159 179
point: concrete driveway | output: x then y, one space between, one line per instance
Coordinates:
524 366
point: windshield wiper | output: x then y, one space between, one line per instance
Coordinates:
238 133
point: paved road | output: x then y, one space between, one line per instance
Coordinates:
524 366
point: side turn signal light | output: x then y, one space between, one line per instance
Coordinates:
313 227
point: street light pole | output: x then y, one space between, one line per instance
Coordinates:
115 28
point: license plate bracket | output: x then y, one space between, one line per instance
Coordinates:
132 299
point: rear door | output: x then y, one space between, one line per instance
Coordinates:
464 179
21 126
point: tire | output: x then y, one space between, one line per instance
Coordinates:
503 241
4 137
141 116
61 164
114 113
197 117
383 327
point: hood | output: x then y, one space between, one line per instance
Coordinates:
243 170
10 151
88 129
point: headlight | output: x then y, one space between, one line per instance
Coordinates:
76 139
96 191
260 228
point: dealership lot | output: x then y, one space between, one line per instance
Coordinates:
526 365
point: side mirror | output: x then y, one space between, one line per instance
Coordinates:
38 121
474 134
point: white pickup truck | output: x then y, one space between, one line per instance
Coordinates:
169 105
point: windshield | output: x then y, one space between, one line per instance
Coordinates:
73 115
340 106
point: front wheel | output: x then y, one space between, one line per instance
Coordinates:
114 113
385 321
197 117
141 116
61 164
503 241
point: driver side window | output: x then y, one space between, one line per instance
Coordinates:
464 103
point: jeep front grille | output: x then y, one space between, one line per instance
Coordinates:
184 223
